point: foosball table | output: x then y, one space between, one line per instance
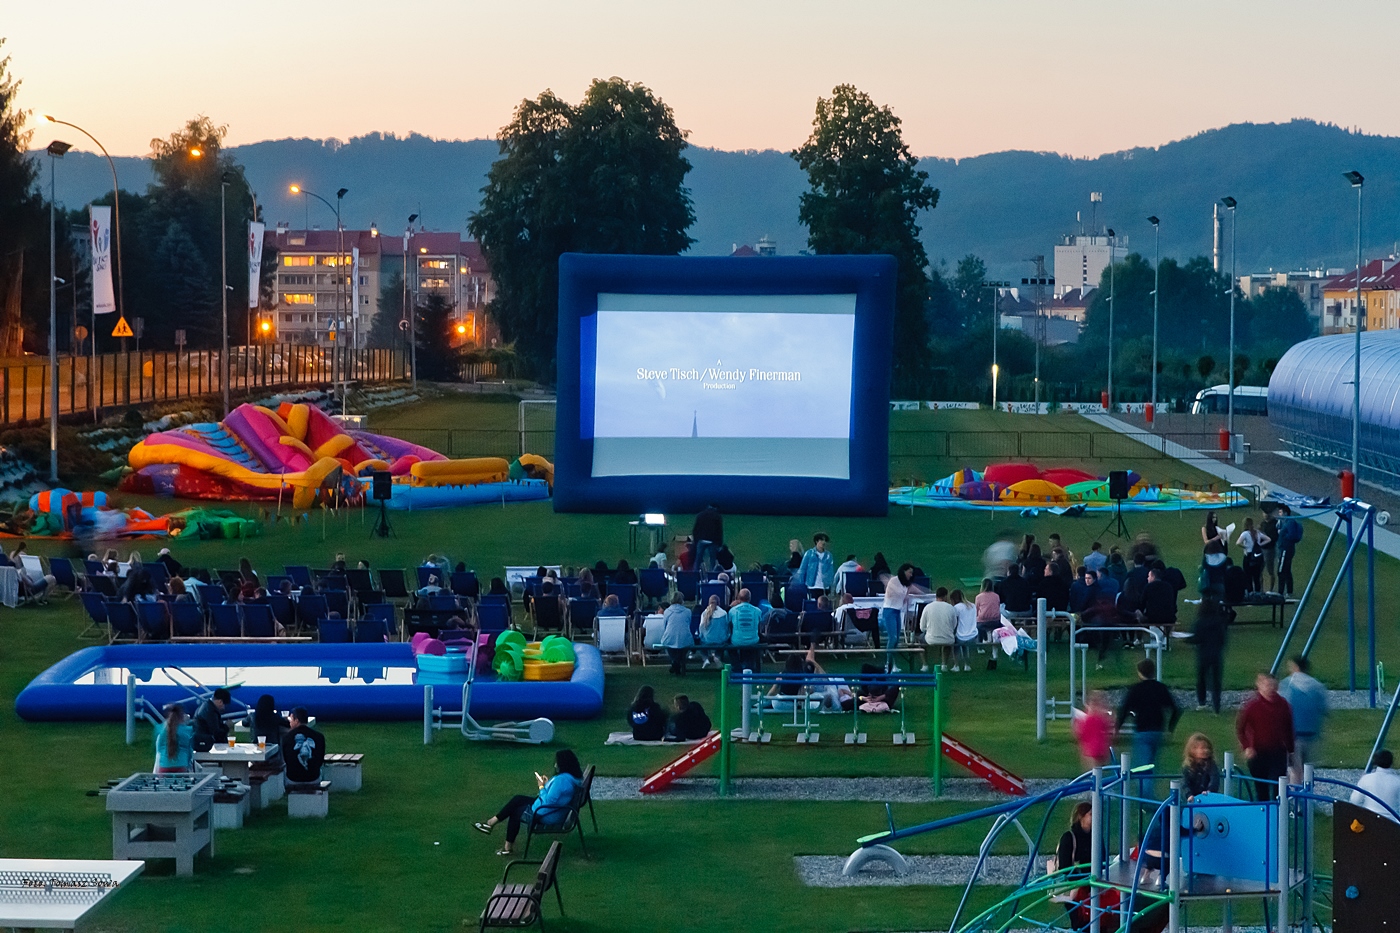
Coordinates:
163 816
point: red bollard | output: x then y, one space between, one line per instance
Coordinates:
1348 479
1148 412
1224 439
1103 399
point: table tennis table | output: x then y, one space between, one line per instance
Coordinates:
54 894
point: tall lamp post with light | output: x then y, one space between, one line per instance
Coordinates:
1358 182
1156 283
56 149
409 322
1230 203
339 254
1112 292
996 326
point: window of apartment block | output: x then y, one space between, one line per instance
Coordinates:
299 298
435 264
298 260
433 283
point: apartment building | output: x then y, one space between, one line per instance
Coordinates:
1380 297
1306 282
324 294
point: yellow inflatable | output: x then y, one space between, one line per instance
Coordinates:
460 472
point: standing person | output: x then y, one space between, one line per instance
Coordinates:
175 742
818 570
1094 732
676 636
1251 542
939 624
1058 544
1209 634
1199 772
879 568
646 717
1308 698
966 632
1211 530
1264 728
988 609
1158 601
708 535
892 612
1290 532
1269 529
549 806
1154 713
1096 559
794 555
1383 781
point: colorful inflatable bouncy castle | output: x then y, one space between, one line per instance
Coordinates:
297 453
62 513
1024 485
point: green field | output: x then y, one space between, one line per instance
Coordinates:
401 855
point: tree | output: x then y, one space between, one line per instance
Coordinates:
437 358
23 237
606 176
1278 316
384 330
865 196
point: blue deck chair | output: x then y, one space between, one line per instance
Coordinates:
856 582
274 582
337 601
443 602
333 631
706 590
382 612
160 577
301 577
63 575
492 617
312 607
283 610
91 568
817 626
794 597
187 619
393 584
154 620
371 630
688 582
121 618
258 622
103 584
782 629
431 570
361 581
626 596
465 584
227 621
653 582
96 608
583 617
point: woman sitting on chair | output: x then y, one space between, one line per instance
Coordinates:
549 806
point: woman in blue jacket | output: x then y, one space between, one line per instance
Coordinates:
175 742
547 808
818 569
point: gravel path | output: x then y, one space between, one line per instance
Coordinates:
880 790
824 871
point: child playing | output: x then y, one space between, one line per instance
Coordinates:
1199 772
1093 730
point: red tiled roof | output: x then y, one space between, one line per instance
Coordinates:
1378 273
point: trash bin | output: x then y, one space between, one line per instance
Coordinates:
1348 479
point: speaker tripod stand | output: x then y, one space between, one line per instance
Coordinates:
382 528
1116 526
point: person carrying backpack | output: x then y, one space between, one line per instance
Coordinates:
1290 532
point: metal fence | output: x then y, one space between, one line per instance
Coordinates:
112 379
979 447
461 443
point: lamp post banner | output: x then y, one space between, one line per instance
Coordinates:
255 244
355 282
104 300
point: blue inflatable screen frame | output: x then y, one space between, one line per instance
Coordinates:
583 276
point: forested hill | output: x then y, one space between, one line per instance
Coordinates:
1295 209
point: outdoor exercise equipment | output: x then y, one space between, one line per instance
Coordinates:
1173 853
530 732
1348 513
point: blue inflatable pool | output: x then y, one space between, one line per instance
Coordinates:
334 682
444 497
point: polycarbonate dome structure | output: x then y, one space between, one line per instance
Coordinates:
1310 399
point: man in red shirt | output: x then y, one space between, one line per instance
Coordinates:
1265 731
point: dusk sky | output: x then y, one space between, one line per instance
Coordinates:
1081 78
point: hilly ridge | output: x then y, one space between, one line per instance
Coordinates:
1295 208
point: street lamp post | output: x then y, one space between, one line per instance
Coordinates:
1357 182
996 326
56 150
1231 203
410 314
1156 283
223 290
340 250
1111 296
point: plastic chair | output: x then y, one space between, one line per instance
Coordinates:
121 618
258 622
333 631
371 630
153 619
186 619
227 622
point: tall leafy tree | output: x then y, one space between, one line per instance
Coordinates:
865 196
605 176
23 237
437 358
384 330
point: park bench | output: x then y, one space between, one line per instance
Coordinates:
571 813
521 905
343 771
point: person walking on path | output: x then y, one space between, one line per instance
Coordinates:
1308 697
1154 711
1264 728
1209 635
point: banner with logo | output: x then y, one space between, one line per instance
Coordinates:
255 245
355 281
104 300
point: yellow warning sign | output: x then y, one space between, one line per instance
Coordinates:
123 329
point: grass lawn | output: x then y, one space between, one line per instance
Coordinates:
401 855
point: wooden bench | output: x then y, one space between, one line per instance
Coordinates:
343 771
570 820
522 905
309 800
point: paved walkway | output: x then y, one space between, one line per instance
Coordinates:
1387 542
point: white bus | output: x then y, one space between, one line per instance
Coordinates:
1249 400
